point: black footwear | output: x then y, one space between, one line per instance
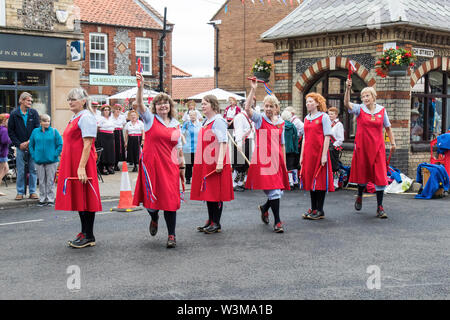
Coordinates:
278 228
308 213
82 242
358 203
213 228
239 189
116 168
76 238
316 215
135 169
153 228
50 204
41 204
188 181
105 172
202 229
171 242
380 213
264 215
111 171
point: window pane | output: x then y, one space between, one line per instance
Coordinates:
6 78
32 79
435 117
436 82
417 118
7 101
40 100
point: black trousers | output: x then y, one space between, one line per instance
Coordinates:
169 216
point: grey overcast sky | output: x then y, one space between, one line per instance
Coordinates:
193 38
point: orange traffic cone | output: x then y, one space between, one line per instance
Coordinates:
126 196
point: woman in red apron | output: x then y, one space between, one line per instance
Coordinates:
267 169
211 175
369 155
77 180
161 164
316 175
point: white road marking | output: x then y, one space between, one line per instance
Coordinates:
20 222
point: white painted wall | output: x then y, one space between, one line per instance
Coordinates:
2 13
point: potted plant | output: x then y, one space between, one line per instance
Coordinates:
394 62
261 69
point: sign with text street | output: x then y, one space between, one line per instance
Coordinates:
34 49
420 52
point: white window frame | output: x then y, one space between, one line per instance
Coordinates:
2 13
149 55
105 52
99 98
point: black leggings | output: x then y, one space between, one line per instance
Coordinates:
169 216
317 199
214 211
275 206
87 223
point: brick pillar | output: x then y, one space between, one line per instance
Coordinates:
394 93
283 78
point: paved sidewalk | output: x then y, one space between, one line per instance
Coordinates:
109 189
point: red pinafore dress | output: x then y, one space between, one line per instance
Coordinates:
71 194
314 176
208 186
158 182
369 154
267 169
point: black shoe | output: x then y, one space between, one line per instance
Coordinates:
188 181
316 215
358 203
380 213
116 168
308 213
278 228
82 242
264 215
239 189
171 242
135 169
41 204
202 229
111 171
50 204
153 228
76 238
213 228
105 172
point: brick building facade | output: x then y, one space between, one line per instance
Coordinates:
238 36
307 59
115 39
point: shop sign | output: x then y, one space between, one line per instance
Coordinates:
34 49
420 52
108 80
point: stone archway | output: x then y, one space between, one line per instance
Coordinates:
332 63
435 63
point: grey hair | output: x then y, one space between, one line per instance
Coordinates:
44 116
24 95
81 94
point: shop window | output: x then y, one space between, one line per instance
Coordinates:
430 109
144 52
7 78
98 53
331 85
99 98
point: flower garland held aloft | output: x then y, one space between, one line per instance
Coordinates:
394 57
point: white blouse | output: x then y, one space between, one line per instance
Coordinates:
136 128
106 124
120 121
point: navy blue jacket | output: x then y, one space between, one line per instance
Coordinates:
17 131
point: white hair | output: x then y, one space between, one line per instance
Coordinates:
81 94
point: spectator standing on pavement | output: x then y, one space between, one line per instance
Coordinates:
5 141
231 111
369 155
191 106
291 146
119 144
22 122
134 138
190 131
316 174
337 138
162 163
267 170
45 148
106 127
295 120
77 188
211 175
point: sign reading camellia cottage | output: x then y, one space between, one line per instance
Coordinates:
107 80
34 49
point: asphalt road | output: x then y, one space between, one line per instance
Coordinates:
326 259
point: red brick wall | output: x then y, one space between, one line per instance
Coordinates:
132 34
239 44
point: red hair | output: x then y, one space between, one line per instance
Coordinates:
319 99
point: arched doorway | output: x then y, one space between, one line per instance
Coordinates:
331 85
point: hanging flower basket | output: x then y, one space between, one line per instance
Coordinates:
261 69
395 62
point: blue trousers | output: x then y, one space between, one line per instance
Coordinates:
21 186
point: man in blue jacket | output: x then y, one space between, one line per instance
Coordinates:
22 121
